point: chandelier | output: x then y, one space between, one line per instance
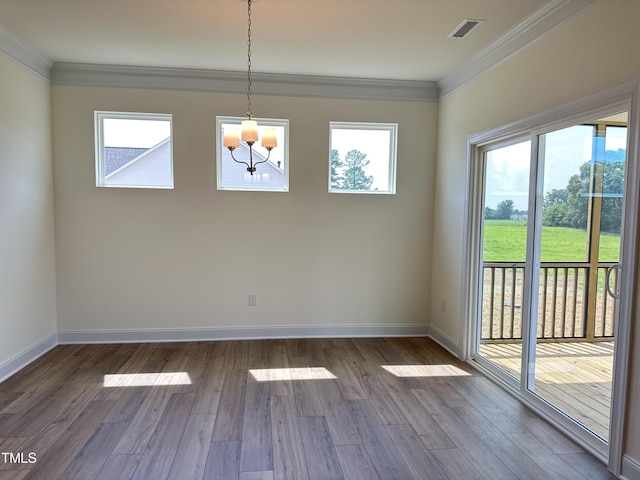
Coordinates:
249 127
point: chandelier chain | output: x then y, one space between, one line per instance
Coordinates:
249 112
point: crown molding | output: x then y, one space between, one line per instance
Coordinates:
81 74
553 15
18 50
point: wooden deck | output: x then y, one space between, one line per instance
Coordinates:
573 376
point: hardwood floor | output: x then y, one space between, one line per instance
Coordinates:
574 376
395 408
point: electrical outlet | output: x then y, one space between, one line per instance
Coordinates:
443 305
252 299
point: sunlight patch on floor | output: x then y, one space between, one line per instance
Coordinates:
425 371
275 374
146 379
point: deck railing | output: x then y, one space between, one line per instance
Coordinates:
571 305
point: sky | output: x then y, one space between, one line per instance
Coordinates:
135 133
565 150
374 143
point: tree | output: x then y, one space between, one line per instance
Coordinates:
554 212
355 177
489 213
569 207
555 197
578 199
504 210
612 189
335 165
555 216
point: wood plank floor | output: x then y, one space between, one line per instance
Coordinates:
573 376
272 409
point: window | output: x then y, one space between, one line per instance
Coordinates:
362 158
272 171
133 150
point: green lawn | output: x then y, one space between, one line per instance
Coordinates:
505 240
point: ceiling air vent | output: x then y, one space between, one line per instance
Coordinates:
464 28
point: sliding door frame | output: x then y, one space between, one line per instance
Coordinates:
620 97
476 272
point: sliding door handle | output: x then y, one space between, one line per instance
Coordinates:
607 281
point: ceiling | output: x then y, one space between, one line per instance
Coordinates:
377 39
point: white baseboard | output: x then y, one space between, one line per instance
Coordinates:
24 358
239 333
444 340
630 468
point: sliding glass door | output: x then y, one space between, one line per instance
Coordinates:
582 184
550 220
504 248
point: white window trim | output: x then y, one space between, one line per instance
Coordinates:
392 128
99 117
269 122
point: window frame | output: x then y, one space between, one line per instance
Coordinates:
99 117
392 128
262 122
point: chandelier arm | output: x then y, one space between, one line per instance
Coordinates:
237 161
263 161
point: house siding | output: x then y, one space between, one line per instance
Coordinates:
152 169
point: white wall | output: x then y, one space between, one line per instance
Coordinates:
596 50
27 259
189 257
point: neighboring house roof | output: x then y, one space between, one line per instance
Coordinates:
116 157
